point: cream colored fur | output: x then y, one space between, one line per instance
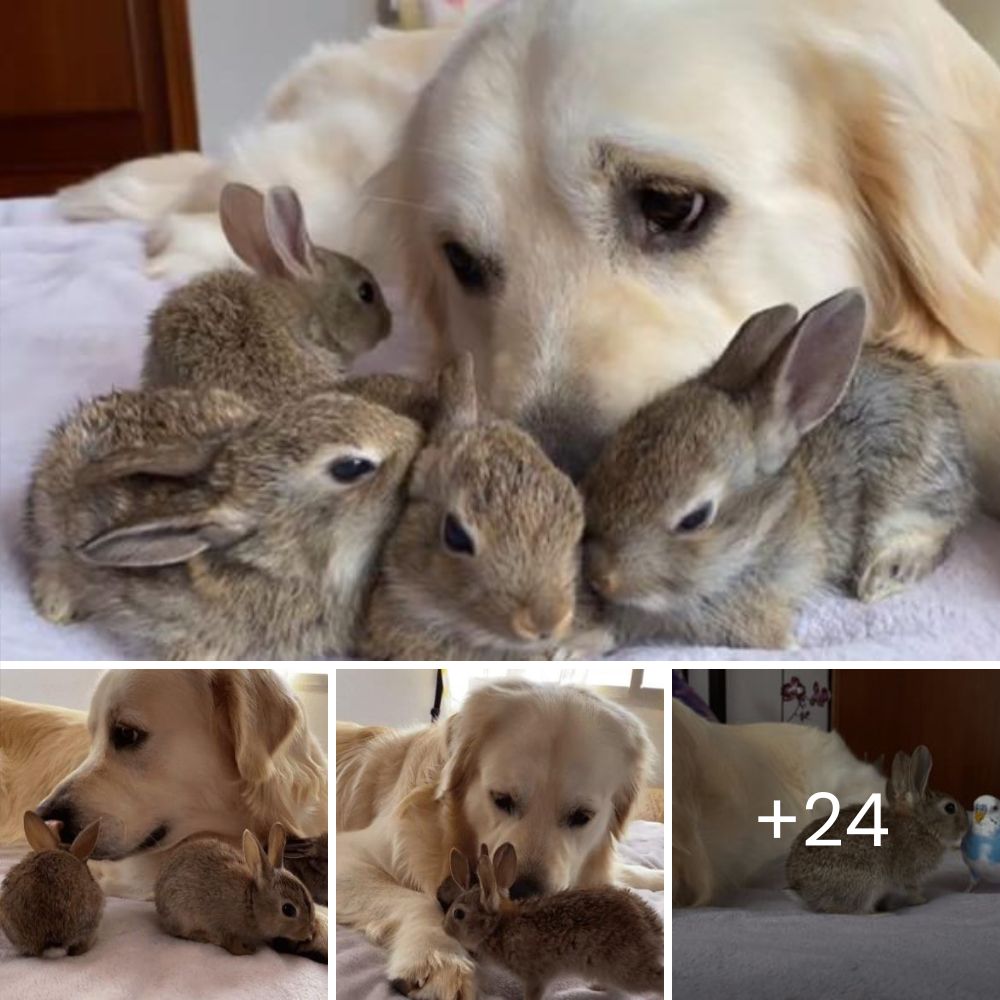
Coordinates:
404 799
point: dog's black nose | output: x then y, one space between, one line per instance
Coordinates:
525 886
63 812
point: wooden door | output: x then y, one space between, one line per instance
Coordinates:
85 84
955 712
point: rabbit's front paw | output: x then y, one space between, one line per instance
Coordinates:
53 600
437 976
895 567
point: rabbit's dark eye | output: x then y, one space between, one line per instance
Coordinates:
471 272
459 913
578 817
695 519
350 470
949 807
127 737
288 910
505 803
366 292
456 538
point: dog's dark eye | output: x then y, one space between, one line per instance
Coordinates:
505 803
350 470
127 737
578 817
471 272
456 538
949 807
288 909
366 292
663 218
695 519
459 913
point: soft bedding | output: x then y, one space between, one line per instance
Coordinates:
133 958
760 944
361 968
73 303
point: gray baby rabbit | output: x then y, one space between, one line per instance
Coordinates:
290 327
49 899
212 531
210 892
857 876
799 458
607 935
484 562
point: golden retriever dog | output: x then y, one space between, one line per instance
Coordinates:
592 197
161 756
725 777
556 771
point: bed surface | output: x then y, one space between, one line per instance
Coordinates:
361 968
132 957
73 304
762 945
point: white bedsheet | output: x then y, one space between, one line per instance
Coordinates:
133 958
73 303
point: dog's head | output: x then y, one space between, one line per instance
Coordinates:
176 752
592 197
555 771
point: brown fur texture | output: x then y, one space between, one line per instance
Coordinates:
513 595
210 892
290 328
405 799
859 876
191 522
50 899
802 471
610 936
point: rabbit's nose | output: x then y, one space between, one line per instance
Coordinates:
600 570
525 886
61 812
542 623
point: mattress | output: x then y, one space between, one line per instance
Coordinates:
132 957
361 966
761 944
73 305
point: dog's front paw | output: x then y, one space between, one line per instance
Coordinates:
438 976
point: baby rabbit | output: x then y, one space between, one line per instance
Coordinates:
718 506
209 892
606 935
50 899
213 531
289 328
857 876
483 563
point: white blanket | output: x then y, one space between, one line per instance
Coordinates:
132 957
73 304
361 967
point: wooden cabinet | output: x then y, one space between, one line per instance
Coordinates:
85 84
955 712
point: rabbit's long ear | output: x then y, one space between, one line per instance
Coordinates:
86 840
460 872
505 866
180 459
807 376
256 859
285 223
920 771
166 541
276 846
488 894
39 836
751 348
458 401
241 211
898 784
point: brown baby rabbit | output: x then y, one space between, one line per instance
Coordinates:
49 899
857 876
210 892
608 935
799 458
483 563
212 531
290 327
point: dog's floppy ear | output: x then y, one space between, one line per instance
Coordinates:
639 752
260 716
918 103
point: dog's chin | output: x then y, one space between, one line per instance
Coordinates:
153 840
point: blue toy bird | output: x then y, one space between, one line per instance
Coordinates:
981 845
